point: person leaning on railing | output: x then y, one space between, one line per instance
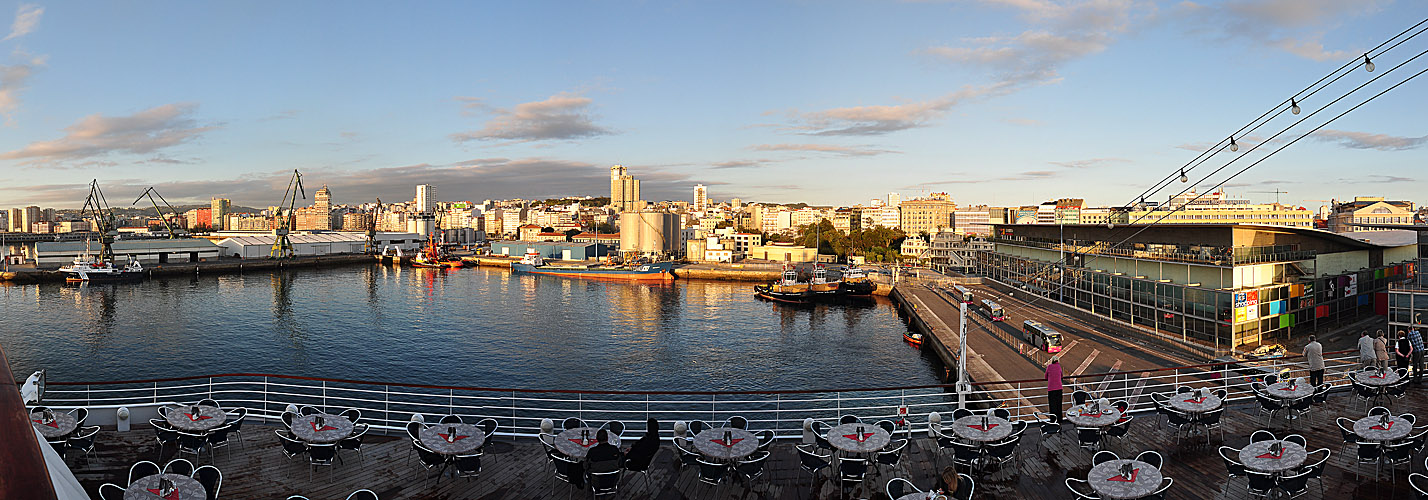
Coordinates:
1366 350
1416 339
1314 357
1403 351
1053 387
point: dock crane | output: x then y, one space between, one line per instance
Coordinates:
285 219
105 223
372 227
1276 193
151 192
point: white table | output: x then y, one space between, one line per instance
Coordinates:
1283 389
1106 479
574 443
741 443
1193 403
1257 457
970 428
1372 428
334 428
199 418
1083 417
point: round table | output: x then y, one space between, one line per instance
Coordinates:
183 418
711 443
926 495
1107 481
1282 389
1256 457
1371 429
1194 403
468 438
334 428
970 428
1079 415
845 437
185 488
1374 378
574 446
61 426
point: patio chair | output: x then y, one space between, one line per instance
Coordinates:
218 438
451 419
209 402
1297 439
712 473
352 414
1178 421
1295 485
1370 453
211 479
179 466
752 468
164 434
698 426
1261 484
1001 453
320 455
686 456
354 441
1233 468
1081 489
852 471
605 483
1418 481
1048 423
1184 389
614 427
1261 435
1321 394
79 415
414 429
191 443
468 466
891 455
1366 394
1080 397
849 419
965 487
888 426
573 423
766 439
897 487
1119 429
306 410
820 437
1159 493
1268 406
142 469
1397 454
1102 457
1346 431
287 418
1001 413
1212 420
1089 437
567 471
961 412
1378 410
1302 406
811 462
1409 417
1121 406
363 495
163 411
292 448
83 441
111 491
737 422
235 422
1152 457
488 427
1316 467
968 455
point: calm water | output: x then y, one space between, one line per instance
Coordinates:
476 327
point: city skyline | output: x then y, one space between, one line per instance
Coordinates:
995 102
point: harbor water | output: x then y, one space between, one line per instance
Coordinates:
480 327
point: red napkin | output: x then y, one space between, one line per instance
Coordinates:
196 417
1287 388
1272 455
1097 414
455 439
979 427
53 423
1382 428
1196 400
172 496
860 438
1123 479
325 427
731 442
1381 375
583 443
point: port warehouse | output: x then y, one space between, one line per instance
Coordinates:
1236 284
228 244
557 250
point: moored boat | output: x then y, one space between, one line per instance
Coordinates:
92 271
855 282
913 338
788 289
533 263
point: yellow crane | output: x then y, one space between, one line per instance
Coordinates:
285 219
151 192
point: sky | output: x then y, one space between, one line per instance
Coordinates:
1002 102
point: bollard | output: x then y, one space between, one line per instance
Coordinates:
934 425
547 426
121 419
681 429
808 434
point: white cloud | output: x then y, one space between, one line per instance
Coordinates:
1365 140
1093 162
563 116
27 18
822 148
97 136
1293 26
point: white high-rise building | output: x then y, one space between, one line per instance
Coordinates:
425 198
894 200
701 198
624 189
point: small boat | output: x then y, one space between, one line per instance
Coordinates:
533 263
913 338
84 270
855 282
788 290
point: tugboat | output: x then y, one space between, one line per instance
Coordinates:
435 256
533 263
855 283
85 270
788 290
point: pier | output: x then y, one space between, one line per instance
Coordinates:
207 268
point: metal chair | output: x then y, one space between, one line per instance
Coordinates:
1260 484
287 419
1089 437
451 419
566 470
852 471
111 491
468 466
1419 483
179 466
1001 413
363 495
1081 489
1295 485
1297 439
217 438
897 487
605 483
1159 493
1212 420
753 467
766 439
83 440
573 423
354 441
1049 425
1378 410
208 402
306 410
961 412
888 426
414 429
1151 457
163 411
1268 406
141 469
1080 397
850 419
1001 453
966 454
686 456
1316 467
698 426
1102 457
352 414
891 455
1370 453
164 434
191 443
488 427
79 415
1233 468
811 462
1397 454
235 425
320 455
1346 431
292 448
1261 435
712 473
211 479
965 487
737 422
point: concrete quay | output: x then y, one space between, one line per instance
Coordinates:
209 267
942 339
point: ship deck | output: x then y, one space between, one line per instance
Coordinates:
516 467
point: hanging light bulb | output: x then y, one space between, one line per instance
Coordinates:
1368 63
1293 106
1110 225
1233 145
1183 177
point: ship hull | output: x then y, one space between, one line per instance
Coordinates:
663 271
103 277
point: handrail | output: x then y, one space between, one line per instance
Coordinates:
1152 370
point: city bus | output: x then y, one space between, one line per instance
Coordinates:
962 294
1041 336
992 310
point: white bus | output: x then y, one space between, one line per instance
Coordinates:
1041 336
962 293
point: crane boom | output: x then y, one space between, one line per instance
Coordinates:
105 223
151 192
283 221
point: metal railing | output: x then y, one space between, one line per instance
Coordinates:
519 412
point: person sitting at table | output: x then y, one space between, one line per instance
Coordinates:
603 457
643 451
947 482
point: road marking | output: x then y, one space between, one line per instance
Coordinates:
1069 346
1106 383
1087 363
1139 388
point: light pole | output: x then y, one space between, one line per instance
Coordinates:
962 386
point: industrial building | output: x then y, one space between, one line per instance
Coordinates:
650 234
557 250
259 245
50 254
1217 286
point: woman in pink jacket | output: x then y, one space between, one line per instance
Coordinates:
1053 387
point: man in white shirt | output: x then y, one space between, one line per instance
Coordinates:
1314 357
1366 352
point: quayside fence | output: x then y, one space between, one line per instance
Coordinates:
387 407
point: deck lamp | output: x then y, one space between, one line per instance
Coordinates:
1183 177
1293 106
1233 145
1368 63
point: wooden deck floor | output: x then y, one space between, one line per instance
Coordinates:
516 468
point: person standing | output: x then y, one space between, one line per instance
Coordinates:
1380 350
1366 355
1403 351
1053 387
1416 339
1314 356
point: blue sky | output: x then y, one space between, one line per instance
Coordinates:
994 101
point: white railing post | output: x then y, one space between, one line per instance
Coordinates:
386 407
156 392
513 411
324 395
210 388
264 414
778 413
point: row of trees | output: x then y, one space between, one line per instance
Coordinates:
876 244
